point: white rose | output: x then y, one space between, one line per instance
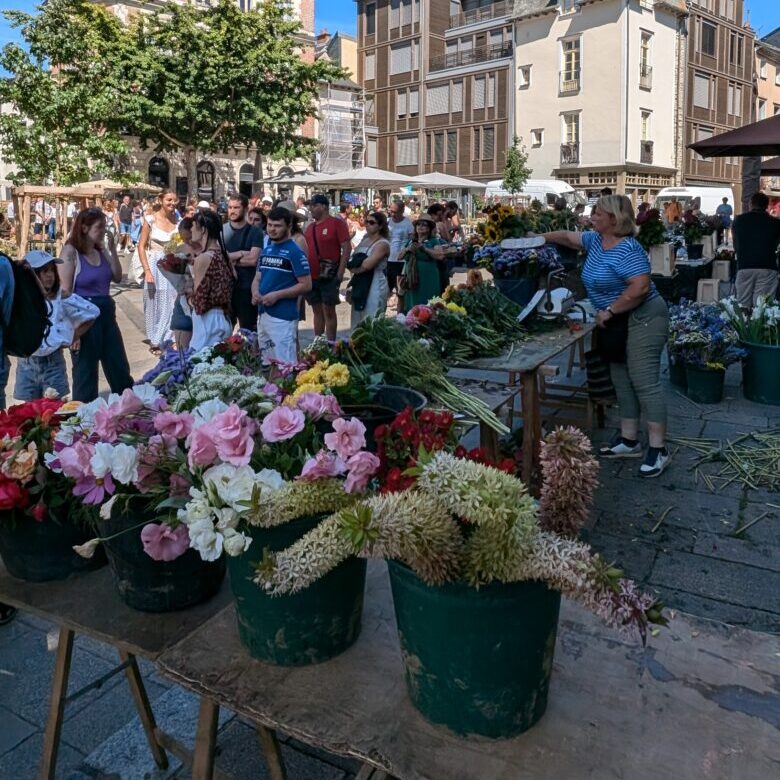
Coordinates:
147 393
206 541
232 484
102 459
235 543
124 463
204 412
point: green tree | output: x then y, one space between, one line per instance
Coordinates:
64 92
516 170
208 80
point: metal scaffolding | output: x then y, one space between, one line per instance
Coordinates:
342 123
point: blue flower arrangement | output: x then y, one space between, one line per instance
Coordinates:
701 335
518 263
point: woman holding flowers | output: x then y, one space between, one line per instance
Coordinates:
422 256
633 325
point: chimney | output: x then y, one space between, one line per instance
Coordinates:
323 37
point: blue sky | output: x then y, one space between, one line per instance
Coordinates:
341 15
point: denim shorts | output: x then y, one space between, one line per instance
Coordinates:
124 229
35 374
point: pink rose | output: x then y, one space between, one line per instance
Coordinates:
202 446
348 437
75 460
317 405
233 438
362 466
163 543
323 464
282 423
178 425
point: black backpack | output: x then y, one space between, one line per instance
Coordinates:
29 324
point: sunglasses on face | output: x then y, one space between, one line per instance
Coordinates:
371 222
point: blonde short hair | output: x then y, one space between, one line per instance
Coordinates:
619 207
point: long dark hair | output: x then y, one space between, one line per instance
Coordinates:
86 218
381 223
212 224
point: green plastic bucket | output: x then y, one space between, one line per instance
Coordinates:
476 660
705 386
677 374
314 625
761 373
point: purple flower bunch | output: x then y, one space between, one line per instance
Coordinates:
171 371
524 263
701 335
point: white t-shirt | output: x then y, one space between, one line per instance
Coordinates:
400 233
66 315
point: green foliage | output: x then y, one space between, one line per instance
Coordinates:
652 231
516 170
66 91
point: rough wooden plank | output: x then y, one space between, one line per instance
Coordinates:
89 604
708 710
59 689
205 740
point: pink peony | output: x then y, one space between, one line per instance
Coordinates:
177 425
202 446
317 405
362 466
163 543
233 438
323 464
348 437
75 460
282 423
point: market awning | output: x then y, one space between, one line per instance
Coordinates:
438 180
365 178
759 139
302 178
771 167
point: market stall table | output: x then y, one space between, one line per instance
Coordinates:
89 604
687 706
523 360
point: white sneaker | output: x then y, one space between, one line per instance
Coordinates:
619 449
655 462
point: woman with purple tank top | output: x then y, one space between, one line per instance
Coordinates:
88 269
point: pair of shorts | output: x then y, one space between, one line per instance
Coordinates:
278 339
34 375
324 291
124 229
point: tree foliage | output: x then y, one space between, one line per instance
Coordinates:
516 170
64 89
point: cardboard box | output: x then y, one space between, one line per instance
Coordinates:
662 259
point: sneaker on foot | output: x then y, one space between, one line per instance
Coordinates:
656 460
621 448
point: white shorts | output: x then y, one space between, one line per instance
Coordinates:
278 339
209 329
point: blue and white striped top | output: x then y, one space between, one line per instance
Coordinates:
607 271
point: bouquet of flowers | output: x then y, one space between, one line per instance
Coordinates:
175 268
522 263
652 231
693 227
701 335
202 473
454 520
26 486
761 326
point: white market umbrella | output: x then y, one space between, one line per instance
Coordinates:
444 181
303 178
365 178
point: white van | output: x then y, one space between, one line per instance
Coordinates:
711 197
546 191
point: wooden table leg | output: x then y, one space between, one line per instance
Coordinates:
145 713
488 439
205 740
272 752
532 424
59 690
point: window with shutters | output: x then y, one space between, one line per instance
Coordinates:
415 55
734 99
496 38
571 60
571 128
370 113
728 10
456 97
438 147
452 146
479 93
736 49
644 125
400 103
491 92
414 102
708 34
761 109
400 59
701 90
371 160
537 137
370 69
406 150
702 134
524 76
395 14
428 152
477 144
437 100
762 68
370 18
406 12
488 143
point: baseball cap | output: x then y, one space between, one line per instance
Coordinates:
302 212
37 258
203 204
287 204
267 199
323 200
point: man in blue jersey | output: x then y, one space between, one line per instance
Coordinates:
282 276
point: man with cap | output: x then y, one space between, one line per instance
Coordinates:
329 249
267 203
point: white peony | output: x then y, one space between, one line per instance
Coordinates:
102 459
232 484
205 540
147 393
124 463
227 518
205 411
235 543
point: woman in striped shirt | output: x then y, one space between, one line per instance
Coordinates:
635 320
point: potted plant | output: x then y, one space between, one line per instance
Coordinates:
476 569
693 232
759 336
703 340
40 521
652 236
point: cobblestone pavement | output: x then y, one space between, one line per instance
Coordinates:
692 559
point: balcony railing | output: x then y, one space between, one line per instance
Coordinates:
570 83
645 77
486 14
570 154
646 153
471 57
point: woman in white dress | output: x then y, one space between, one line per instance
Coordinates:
369 298
159 295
